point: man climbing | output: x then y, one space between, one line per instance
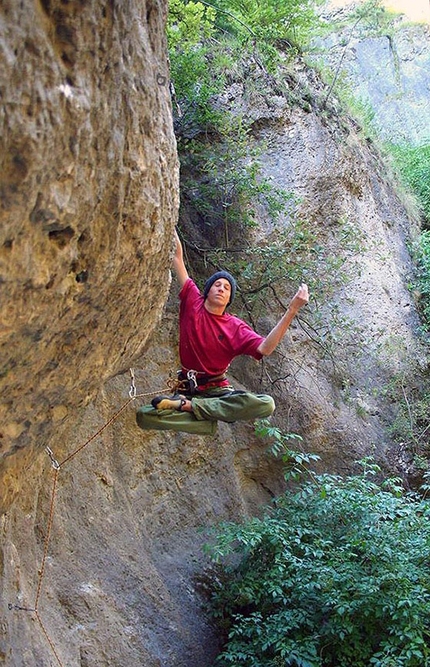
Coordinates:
209 339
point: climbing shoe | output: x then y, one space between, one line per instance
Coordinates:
168 402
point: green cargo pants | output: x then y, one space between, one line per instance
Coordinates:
209 407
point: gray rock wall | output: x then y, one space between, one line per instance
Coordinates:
389 73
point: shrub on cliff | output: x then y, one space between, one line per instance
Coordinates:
336 574
206 40
413 163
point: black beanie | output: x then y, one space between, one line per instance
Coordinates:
216 276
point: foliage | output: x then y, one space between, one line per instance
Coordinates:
335 575
423 275
195 85
296 251
189 23
413 163
411 425
189 28
224 183
269 21
200 34
295 462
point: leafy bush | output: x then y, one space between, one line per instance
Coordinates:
335 575
423 276
223 182
413 163
269 21
189 23
201 34
190 27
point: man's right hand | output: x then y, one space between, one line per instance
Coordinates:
178 261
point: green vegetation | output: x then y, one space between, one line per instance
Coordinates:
269 23
423 275
413 166
292 253
335 575
189 29
411 424
206 42
191 22
413 163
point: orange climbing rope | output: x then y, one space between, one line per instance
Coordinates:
56 466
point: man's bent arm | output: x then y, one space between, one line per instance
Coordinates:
178 262
273 339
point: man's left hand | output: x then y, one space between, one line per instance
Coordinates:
300 299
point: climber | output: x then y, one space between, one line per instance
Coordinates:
209 339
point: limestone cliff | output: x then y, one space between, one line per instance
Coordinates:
89 199
388 71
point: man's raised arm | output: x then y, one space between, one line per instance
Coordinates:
178 262
271 341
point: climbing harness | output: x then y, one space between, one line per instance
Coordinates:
56 467
193 381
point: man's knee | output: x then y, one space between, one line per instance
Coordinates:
267 406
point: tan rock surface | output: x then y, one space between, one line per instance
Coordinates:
88 201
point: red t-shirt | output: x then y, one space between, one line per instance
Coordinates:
208 343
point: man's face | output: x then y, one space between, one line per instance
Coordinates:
219 293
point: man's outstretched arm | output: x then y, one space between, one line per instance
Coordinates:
178 262
273 339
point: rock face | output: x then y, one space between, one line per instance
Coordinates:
88 201
390 74
89 198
